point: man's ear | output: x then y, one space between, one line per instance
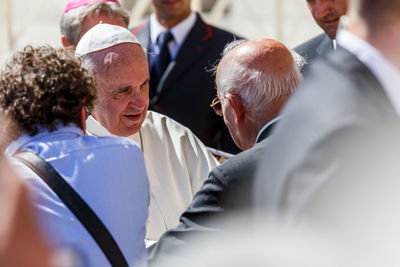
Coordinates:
65 42
236 104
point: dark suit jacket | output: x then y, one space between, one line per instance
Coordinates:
186 89
312 49
226 192
339 125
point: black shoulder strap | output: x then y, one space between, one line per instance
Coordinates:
76 204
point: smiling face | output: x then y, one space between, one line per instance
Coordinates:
171 12
122 89
327 13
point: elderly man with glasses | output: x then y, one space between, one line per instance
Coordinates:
252 89
254 79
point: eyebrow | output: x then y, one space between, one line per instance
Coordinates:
127 87
146 81
120 89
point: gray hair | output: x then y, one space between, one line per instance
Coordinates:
231 45
298 59
91 63
94 62
71 22
257 88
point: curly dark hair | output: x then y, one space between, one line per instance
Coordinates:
43 87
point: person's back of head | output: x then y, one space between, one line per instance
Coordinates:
42 87
376 14
378 23
80 15
262 74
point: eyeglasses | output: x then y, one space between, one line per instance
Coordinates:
216 105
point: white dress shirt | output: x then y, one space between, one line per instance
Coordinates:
179 32
177 163
386 73
107 172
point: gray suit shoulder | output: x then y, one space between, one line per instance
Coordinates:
308 46
310 50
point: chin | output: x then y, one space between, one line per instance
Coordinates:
133 129
127 132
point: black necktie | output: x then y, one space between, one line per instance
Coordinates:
163 58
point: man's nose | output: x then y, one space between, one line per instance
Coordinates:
323 7
138 99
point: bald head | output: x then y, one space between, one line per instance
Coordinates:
259 70
260 75
264 55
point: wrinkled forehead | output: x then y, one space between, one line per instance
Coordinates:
125 62
120 55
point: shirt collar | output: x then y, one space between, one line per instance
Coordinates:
267 125
386 73
93 127
179 31
24 139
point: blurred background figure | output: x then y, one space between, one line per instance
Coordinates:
341 127
181 49
260 245
347 225
81 15
21 242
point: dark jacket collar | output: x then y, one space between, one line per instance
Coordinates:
267 129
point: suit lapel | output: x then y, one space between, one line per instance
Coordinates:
266 132
192 48
325 47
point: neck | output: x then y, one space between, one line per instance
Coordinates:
168 23
270 112
249 130
385 39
